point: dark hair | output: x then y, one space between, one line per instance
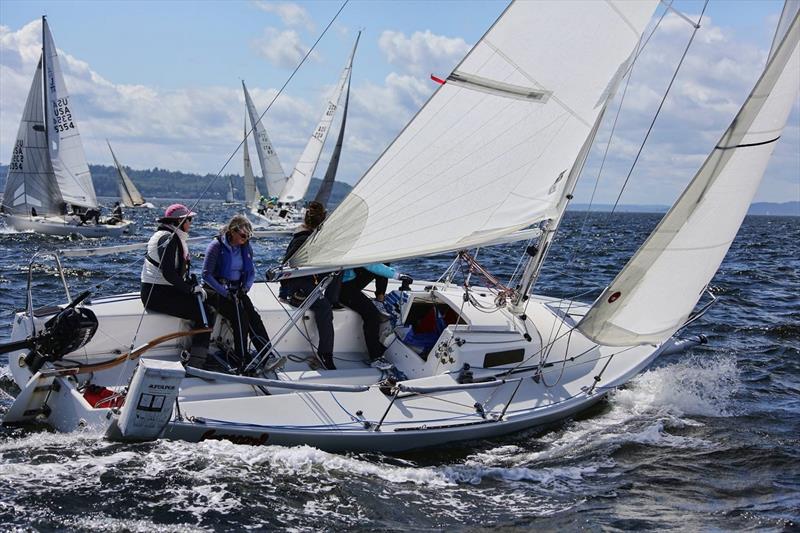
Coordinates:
315 214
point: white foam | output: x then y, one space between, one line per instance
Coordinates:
695 386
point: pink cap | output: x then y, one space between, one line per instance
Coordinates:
178 211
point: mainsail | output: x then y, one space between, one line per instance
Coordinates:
656 291
298 182
128 192
490 151
64 141
271 169
30 182
325 189
250 188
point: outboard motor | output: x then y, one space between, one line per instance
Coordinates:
70 329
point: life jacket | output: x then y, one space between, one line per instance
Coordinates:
223 270
156 246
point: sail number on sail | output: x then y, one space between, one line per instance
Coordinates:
62 117
16 156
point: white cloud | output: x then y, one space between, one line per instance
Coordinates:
423 53
715 79
281 48
290 14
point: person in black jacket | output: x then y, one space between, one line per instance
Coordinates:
166 284
295 290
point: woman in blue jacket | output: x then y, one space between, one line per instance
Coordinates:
228 273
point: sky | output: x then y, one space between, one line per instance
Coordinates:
161 80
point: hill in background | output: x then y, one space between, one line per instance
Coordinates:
158 183
161 183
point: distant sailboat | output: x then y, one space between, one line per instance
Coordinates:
229 195
297 185
48 175
288 213
326 187
128 193
251 194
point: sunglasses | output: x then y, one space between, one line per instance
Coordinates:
243 234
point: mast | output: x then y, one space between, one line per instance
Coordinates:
44 82
549 227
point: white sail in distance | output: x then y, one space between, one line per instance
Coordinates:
250 187
128 192
297 185
656 291
30 182
490 151
271 169
64 141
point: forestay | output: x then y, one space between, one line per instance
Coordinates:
298 182
656 291
490 152
66 150
271 169
128 192
30 182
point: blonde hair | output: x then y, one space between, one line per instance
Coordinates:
237 222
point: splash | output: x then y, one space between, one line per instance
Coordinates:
703 386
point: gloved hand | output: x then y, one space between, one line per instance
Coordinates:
200 291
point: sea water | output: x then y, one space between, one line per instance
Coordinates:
704 440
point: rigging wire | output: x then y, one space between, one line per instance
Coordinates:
660 106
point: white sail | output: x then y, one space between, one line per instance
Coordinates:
30 182
656 291
250 188
490 152
64 141
271 169
298 182
128 192
229 194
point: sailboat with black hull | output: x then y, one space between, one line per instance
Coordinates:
49 188
505 137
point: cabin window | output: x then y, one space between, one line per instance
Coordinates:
506 357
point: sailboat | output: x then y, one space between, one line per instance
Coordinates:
251 193
288 211
128 193
229 196
49 184
505 135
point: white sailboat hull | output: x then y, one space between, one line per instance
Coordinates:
365 420
60 226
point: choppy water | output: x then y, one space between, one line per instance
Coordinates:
706 440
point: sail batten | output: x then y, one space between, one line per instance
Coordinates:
473 165
656 291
